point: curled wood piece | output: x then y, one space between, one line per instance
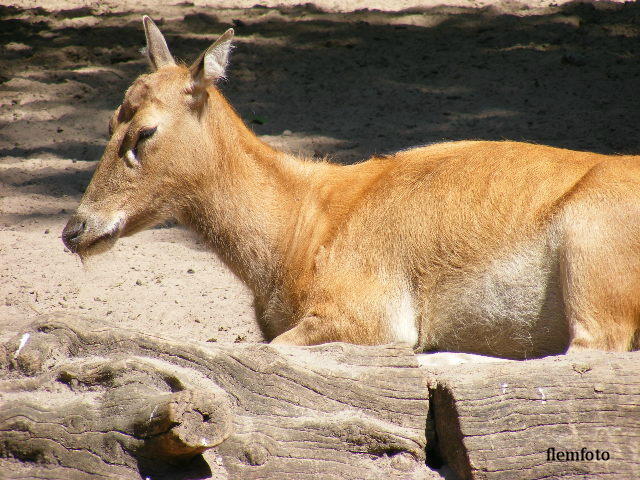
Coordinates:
184 424
92 415
179 424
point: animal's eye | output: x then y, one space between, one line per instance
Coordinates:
146 133
131 156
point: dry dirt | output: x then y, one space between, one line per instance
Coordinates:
323 79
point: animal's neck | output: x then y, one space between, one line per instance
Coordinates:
244 200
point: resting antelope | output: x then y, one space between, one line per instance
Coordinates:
498 248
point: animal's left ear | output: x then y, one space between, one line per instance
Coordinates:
212 63
157 50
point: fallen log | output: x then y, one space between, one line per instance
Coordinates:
570 417
81 399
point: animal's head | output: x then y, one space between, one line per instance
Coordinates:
155 137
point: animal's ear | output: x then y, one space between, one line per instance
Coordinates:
212 63
157 50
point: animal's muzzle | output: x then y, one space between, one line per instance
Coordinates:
72 232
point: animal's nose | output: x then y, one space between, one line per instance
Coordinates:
72 231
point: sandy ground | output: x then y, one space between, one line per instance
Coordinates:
322 79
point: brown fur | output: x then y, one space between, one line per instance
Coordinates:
499 248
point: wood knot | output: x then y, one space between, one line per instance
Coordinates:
32 353
403 461
255 454
581 367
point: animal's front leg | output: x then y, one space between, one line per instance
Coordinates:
310 331
314 330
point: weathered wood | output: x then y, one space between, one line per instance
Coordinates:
497 421
81 399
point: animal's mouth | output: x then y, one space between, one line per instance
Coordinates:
104 241
86 238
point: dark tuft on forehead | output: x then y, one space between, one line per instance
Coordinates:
134 97
150 88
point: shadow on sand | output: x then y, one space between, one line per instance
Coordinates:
374 82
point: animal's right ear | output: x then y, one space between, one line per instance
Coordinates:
212 63
157 50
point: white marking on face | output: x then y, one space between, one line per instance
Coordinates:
116 222
131 158
105 222
402 316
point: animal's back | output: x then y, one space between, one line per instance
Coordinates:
472 237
